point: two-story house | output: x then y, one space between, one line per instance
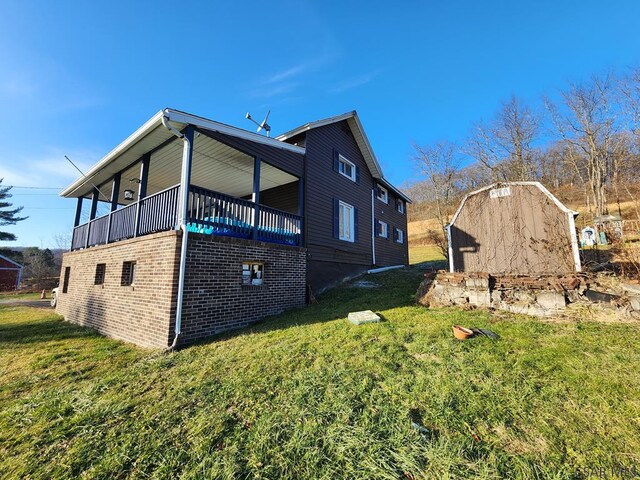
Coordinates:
209 227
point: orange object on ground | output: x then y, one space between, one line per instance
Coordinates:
462 333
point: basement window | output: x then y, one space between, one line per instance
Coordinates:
128 274
101 269
65 284
252 273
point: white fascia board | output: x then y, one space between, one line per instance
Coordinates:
181 120
176 116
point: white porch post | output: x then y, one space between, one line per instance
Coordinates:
185 175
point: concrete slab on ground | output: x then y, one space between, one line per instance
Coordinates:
366 316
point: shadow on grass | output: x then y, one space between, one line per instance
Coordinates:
42 331
395 289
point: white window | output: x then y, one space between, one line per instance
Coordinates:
346 168
383 229
346 222
399 236
383 194
252 273
400 206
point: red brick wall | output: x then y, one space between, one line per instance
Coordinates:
215 299
141 313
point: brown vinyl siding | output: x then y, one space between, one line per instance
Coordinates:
388 251
290 162
329 258
324 185
284 197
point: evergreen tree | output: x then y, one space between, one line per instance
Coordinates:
7 214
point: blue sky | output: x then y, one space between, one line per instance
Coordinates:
76 78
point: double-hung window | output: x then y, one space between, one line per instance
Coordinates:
383 194
346 227
383 229
346 168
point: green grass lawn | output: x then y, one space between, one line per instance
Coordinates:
22 296
424 253
307 395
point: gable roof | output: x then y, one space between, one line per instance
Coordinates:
360 136
541 187
11 261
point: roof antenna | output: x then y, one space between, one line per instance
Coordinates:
82 173
264 125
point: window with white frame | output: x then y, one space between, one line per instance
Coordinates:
400 206
383 229
399 236
383 194
346 168
346 216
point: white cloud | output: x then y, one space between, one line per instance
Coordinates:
354 82
49 169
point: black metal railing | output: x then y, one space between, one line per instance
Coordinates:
208 212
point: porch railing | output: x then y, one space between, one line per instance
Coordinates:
208 212
219 214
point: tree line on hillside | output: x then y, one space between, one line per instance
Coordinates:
584 146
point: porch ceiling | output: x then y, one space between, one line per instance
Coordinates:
151 137
215 166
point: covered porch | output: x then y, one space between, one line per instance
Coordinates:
216 180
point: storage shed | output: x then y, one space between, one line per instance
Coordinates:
10 274
513 228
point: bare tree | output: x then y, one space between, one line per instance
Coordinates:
586 120
505 145
440 166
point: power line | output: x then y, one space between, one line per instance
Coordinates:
35 188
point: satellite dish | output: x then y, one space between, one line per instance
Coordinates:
261 126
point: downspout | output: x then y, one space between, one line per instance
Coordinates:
373 227
449 247
182 225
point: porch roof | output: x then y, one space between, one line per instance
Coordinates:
153 136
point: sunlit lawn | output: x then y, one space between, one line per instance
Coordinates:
307 395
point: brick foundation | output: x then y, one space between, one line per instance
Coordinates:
140 313
214 300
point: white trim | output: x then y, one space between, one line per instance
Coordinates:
177 116
450 247
343 160
400 239
373 227
503 184
11 261
574 241
352 213
401 202
384 269
183 119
